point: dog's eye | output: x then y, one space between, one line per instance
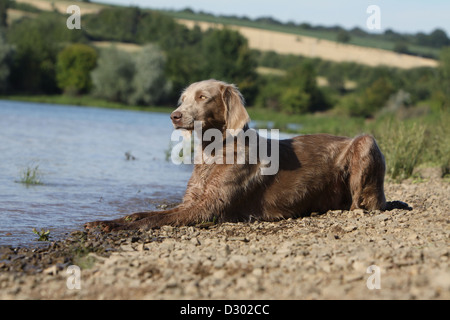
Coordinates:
202 97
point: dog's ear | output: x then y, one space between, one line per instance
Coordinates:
236 117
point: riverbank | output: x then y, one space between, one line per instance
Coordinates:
318 257
84 101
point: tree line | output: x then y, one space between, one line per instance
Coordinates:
39 55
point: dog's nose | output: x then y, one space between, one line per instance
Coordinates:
176 116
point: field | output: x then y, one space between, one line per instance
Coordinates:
285 43
318 34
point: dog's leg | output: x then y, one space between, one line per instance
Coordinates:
126 220
367 170
147 220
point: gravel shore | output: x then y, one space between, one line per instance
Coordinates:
319 257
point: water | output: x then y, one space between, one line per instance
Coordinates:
81 157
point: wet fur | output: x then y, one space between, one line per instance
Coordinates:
317 172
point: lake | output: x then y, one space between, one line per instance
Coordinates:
80 154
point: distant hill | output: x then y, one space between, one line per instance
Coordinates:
420 44
267 34
286 43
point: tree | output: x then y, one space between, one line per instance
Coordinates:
401 47
226 56
374 97
74 64
131 78
443 87
4 5
5 63
37 43
343 36
117 24
113 76
302 93
149 83
438 38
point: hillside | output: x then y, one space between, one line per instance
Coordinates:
270 40
285 43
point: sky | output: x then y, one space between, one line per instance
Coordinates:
406 16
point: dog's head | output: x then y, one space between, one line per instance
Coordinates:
217 104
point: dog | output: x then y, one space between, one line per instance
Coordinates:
316 173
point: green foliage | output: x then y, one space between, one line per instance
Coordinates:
402 145
136 26
131 78
302 93
226 56
150 85
117 24
37 43
74 64
343 36
42 235
419 44
5 63
374 98
113 76
4 5
401 47
31 175
335 78
443 87
437 38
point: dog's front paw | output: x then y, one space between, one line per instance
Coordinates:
104 226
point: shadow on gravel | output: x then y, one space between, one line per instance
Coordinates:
391 205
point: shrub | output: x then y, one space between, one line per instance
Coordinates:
374 97
131 78
74 64
113 76
302 93
149 83
226 56
37 42
402 145
343 36
5 63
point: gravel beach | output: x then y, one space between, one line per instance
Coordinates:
396 254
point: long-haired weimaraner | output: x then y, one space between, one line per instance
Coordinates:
316 173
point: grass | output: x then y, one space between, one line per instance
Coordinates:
31 176
403 145
43 235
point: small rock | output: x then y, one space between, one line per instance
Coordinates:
53 270
243 239
350 228
361 212
382 217
195 241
